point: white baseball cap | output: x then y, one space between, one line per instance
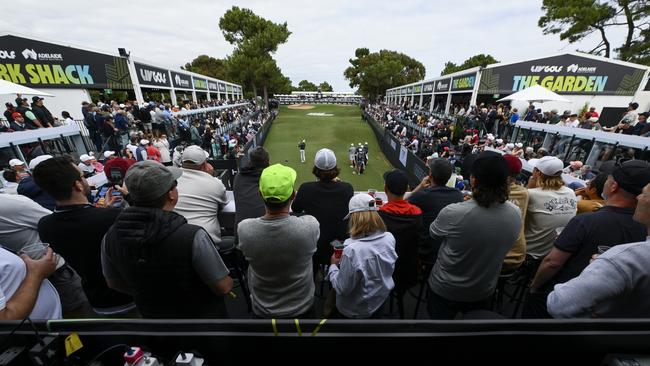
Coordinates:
16 162
85 158
37 160
108 154
548 165
325 159
194 154
361 202
144 142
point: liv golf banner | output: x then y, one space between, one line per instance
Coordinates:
40 64
565 74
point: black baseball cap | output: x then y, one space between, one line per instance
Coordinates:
396 182
632 176
36 98
490 168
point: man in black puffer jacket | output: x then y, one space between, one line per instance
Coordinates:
171 268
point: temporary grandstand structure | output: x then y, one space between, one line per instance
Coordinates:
606 84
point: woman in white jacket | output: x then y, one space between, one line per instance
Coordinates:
362 276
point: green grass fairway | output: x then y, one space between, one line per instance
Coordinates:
336 133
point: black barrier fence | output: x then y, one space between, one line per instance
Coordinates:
397 154
226 342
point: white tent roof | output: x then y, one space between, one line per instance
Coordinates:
7 87
536 93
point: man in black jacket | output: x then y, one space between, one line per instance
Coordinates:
9 112
41 112
431 196
327 200
76 228
404 221
171 268
246 187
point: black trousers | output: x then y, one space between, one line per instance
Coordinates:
440 308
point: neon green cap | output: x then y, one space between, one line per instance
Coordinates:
276 182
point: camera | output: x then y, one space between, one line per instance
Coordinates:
115 176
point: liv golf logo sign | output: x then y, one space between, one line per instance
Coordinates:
150 75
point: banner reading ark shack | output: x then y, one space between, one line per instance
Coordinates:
40 64
564 74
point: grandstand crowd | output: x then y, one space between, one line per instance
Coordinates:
149 243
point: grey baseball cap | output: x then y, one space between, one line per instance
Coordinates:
325 159
149 180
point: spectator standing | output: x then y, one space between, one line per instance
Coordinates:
171 268
200 195
67 119
326 200
31 120
42 113
152 152
362 277
472 251
279 248
8 113
160 141
141 150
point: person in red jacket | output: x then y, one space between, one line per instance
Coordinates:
152 152
404 220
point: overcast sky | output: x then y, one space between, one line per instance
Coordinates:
325 33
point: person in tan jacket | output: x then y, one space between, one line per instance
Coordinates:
591 196
519 197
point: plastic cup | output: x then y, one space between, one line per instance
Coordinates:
602 249
35 251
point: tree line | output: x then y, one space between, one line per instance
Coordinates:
256 40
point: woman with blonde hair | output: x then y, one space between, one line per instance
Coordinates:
362 276
551 205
